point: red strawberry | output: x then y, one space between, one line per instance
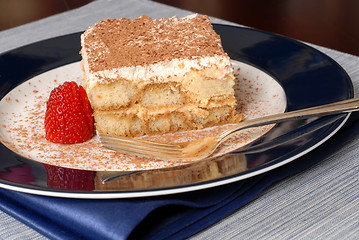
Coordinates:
68 117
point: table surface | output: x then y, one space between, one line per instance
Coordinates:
328 23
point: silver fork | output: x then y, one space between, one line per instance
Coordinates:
204 147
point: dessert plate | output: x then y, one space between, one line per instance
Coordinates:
303 77
22 117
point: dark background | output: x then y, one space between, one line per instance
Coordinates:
329 23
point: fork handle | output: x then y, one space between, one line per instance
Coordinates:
318 111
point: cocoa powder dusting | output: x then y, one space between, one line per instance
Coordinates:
115 43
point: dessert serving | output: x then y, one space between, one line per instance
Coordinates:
49 117
23 113
147 76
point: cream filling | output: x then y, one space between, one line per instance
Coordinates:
159 72
142 112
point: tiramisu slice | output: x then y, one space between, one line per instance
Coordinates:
147 76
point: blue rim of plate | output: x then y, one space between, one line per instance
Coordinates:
308 77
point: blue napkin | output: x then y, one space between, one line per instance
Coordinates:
164 217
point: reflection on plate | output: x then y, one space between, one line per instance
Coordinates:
23 110
107 181
307 76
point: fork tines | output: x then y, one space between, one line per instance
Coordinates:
138 146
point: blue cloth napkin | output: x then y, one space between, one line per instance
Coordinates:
164 217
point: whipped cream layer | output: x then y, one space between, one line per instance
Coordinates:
160 72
